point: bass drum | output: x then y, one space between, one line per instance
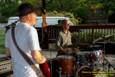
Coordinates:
84 71
66 65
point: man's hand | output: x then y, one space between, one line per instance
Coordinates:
41 60
76 50
38 57
67 50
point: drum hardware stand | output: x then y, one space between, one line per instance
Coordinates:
106 60
109 67
51 62
103 66
91 65
51 67
78 60
78 64
59 71
110 64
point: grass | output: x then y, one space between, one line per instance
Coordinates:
2 41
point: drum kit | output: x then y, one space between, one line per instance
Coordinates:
87 64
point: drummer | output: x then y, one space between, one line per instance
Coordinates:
64 41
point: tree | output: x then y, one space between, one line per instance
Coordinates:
83 8
80 8
9 7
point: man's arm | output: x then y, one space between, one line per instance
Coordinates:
59 42
38 57
41 60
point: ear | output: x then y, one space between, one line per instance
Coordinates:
29 17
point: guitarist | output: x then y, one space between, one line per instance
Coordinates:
27 39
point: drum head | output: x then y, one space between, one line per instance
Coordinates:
84 71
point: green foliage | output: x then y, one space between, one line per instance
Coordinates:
7 9
54 13
35 2
80 8
66 14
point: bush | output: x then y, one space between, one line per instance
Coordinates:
66 14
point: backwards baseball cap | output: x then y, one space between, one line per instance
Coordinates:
25 8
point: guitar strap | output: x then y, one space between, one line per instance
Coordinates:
25 56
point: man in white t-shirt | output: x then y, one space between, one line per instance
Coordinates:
27 39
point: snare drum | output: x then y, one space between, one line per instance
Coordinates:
66 65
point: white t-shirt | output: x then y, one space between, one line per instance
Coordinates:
27 39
